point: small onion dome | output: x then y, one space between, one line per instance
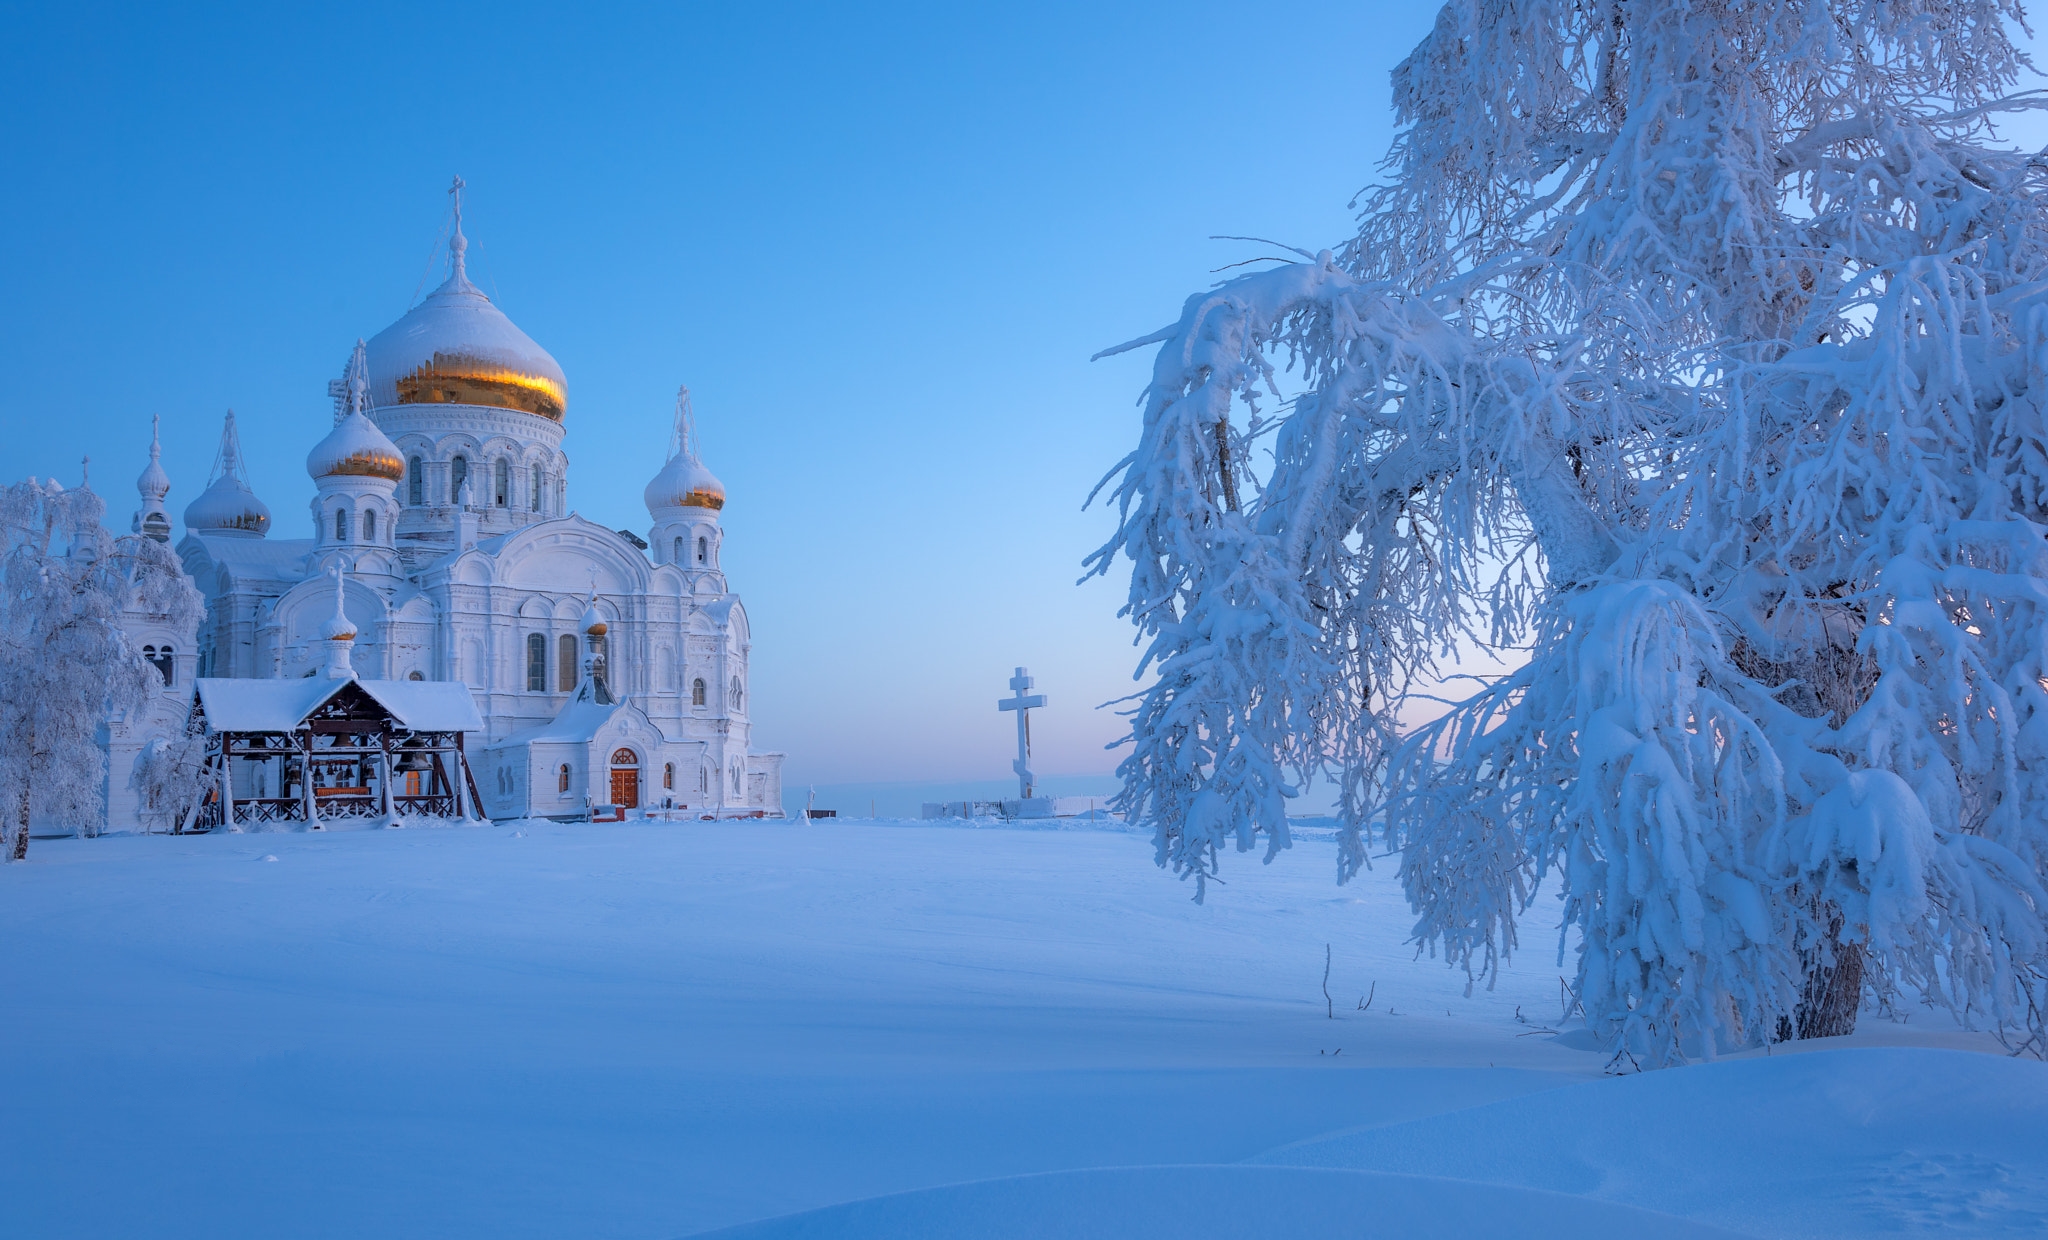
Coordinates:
154 483
338 627
355 448
592 622
684 483
228 507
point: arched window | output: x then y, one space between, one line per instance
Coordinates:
677 558
562 780
668 775
416 483
565 661
536 663
737 776
703 550
734 696
340 526
536 493
697 692
625 757
160 658
414 675
458 473
370 525
704 782
501 483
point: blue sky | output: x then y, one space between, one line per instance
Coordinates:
880 246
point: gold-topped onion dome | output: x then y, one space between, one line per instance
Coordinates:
592 623
227 505
457 348
684 482
355 447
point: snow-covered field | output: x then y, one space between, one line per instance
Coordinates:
643 1030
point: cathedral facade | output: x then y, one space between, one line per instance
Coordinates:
442 500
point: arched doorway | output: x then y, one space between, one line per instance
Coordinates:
625 779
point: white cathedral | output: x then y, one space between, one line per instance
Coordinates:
441 499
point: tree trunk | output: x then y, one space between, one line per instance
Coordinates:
21 830
1834 680
1833 991
1834 985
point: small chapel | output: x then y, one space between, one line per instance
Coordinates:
607 668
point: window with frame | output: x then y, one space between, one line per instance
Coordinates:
668 775
370 526
562 780
677 558
416 483
703 550
536 663
458 473
565 659
697 692
501 483
340 525
537 489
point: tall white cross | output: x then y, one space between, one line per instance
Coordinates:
1022 705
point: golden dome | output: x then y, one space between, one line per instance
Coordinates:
355 448
456 348
684 482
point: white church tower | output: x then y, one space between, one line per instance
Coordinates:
606 671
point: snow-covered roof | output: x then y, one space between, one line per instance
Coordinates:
271 559
578 723
238 705
248 705
427 705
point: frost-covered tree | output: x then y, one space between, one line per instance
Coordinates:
170 780
65 664
1700 351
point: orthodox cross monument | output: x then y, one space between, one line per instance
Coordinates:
1022 705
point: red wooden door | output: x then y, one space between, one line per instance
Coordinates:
626 788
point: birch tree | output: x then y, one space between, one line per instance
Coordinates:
65 663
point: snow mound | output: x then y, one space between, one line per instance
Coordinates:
1195 1202
1819 1143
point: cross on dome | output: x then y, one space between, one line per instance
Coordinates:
355 447
684 482
458 244
339 628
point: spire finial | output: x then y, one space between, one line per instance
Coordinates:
358 379
684 438
85 474
339 634
156 446
457 243
230 447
